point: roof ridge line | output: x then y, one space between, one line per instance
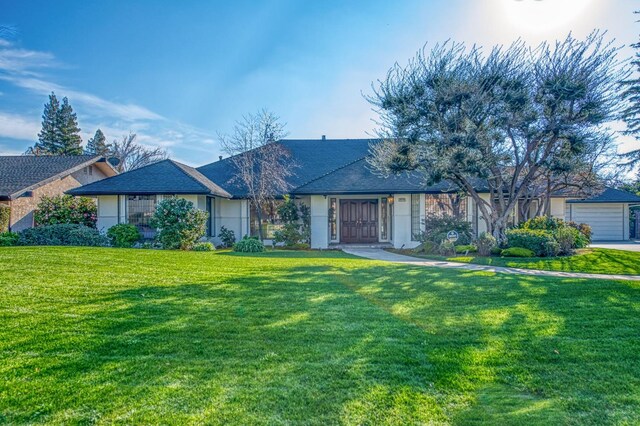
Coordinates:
179 164
330 172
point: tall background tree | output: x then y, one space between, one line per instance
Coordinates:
60 134
502 120
98 145
263 165
127 154
631 112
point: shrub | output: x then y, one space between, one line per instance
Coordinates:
179 223
204 246
584 239
249 245
297 221
66 209
540 242
5 217
227 237
8 239
496 251
517 252
466 248
436 228
290 235
567 237
66 234
427 247
446 248
543 223
124 235
485 243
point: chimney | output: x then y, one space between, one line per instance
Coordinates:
324 137
220 158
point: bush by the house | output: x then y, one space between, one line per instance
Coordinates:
567 238
517 252
540 242
204 246
469 248
66 209
124 235
584 239
227 237
179 223
8 239
426 247
496 251
486 243
66 234
249 245
5 217
543 223
437 227
447 248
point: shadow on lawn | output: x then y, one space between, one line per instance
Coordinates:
323 344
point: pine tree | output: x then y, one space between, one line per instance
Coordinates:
69 140
98 144
631 113
47 138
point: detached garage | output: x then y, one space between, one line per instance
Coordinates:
606 213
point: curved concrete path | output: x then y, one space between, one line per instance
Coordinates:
379 254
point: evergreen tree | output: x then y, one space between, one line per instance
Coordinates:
98 144
47 138
70 142
60 134
631 112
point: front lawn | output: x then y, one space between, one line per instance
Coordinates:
95 335
595 261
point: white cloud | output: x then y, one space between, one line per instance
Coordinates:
15 126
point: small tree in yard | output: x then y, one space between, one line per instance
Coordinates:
62 209
180 225
503 120
262 164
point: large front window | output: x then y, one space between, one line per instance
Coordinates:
140 209
440 205
268 219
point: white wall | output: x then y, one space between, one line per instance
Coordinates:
319 206
402 221
232 214
107 212
557 207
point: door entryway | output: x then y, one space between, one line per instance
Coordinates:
358 221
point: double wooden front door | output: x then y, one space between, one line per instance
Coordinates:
359 221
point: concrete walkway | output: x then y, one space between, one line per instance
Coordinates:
379 254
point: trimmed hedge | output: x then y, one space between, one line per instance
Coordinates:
124 235
466 248
540 242
8 239
66 234
61 209
204 246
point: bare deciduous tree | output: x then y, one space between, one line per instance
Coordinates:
263 165
130 155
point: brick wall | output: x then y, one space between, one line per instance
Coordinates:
22 208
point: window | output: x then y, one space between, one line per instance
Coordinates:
446 205
333 218
140 208
269 220
415 215
384 219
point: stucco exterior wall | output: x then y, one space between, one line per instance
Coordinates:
22 208
402 221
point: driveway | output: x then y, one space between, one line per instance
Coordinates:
618 245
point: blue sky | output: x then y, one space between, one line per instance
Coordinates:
178 73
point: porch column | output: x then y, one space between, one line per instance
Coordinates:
319 222
244 219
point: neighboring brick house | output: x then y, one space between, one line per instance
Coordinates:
24 179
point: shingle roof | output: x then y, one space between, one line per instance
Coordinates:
314 158
20 173
358 178
164 177
609 195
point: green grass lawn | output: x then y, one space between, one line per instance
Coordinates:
596 261
95 335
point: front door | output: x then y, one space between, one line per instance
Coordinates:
359 221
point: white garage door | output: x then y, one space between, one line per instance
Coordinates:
607 220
